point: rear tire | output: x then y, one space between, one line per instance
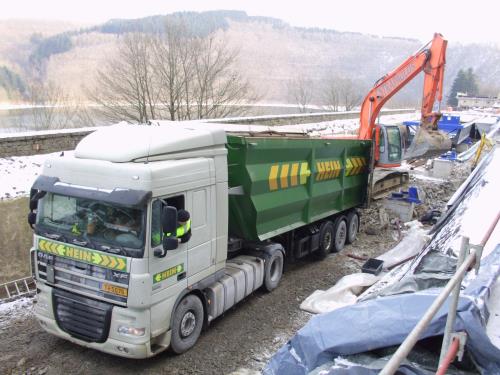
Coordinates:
352 226
340 234
273 269
187 324
326 240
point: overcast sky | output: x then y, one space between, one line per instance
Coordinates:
458 20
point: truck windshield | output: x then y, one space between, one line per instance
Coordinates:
89 223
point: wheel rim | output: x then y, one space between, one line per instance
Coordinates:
327 240
341 234
188 324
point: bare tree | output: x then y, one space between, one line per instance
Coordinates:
52 108
127 86
173 75
349 93
218 89
300 91
341 92
331 94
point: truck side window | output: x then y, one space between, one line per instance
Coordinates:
156 232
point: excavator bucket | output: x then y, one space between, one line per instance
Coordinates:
427 143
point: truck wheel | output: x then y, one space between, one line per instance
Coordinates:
352 226
340 234
326 240
187 324
273 269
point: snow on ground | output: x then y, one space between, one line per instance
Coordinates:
18 309
18 174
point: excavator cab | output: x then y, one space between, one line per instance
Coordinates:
389 152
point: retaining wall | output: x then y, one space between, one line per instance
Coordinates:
43 142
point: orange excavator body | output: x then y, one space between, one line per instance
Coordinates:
431 60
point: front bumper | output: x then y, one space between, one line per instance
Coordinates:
115 343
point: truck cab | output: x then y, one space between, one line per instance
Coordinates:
104 279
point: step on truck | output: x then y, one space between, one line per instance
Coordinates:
113 271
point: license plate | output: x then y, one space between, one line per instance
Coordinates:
119 291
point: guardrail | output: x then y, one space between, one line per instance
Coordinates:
470 255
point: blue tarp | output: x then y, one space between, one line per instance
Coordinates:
387 321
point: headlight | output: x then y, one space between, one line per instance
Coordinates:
124 330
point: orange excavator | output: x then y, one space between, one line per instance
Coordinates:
387 140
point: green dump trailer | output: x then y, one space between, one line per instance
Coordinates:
291 188
151 242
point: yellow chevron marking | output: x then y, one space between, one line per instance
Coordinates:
284 175
61 249
96 258
113 262
121 265
293 174
304 173
348 167
105 260
355 166
273 177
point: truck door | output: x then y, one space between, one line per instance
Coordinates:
200 246
168 272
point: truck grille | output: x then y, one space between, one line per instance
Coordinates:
82 278
82 318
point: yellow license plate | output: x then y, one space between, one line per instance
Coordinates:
115 290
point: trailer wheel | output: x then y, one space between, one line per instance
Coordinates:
273 269
326 240
187 324
340 234
352 226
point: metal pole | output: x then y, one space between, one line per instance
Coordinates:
452 310
405 348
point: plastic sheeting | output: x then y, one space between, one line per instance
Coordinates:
344 293
393 306
383 322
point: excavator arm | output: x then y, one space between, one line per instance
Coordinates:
431 60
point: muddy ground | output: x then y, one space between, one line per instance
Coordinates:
245 337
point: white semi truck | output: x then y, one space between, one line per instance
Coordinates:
112 273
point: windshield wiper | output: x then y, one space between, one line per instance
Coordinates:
114 250
55 236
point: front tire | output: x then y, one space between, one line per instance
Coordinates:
187 324
273 269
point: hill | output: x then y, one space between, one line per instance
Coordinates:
272 53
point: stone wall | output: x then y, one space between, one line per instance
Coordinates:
43 142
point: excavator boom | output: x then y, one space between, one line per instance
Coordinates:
431 60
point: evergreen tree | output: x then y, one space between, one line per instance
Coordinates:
465 82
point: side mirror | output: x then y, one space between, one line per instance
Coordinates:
35 196
31 219
169 219
170 243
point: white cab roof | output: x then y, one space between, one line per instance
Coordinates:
126 142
